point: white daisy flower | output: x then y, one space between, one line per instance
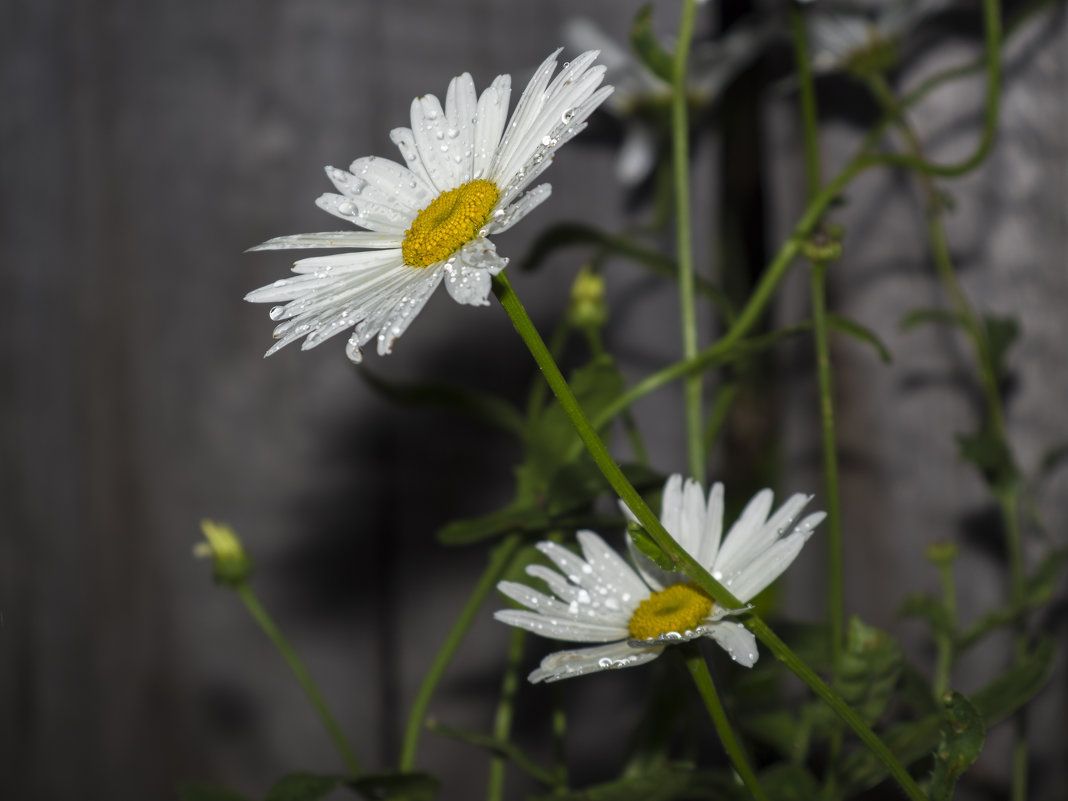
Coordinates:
600 598
465 177
852 39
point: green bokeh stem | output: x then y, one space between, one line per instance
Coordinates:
504 292
500 557
698 668
680 132
502 720
304 678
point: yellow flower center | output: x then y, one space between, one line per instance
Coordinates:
679 608
452 218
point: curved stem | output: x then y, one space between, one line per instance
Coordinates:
698 668
502 288
304 678
680 131
500 556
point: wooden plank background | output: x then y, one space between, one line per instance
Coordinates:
146 145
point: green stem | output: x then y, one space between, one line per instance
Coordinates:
680 132
945 639
717 418
502 721
500 556
698 668
559 728
304 678
502 288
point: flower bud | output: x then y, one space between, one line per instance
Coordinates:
587 308
231 564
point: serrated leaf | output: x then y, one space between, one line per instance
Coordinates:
415 786
918 317
932 610
1001 332
915 740
860 333
198 791
989 453
648 49
304 787
648 546
871 665
962 739
483 406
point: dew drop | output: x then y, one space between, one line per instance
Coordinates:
444 148
346 208
453 133
439 134
276 312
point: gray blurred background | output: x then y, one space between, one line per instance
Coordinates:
146 145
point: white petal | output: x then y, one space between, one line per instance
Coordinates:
778 525
767 567
492 113
581 603
503 219
671 506
692 521
526 109
332 239
390 183
736 640
706 555
612 570
747 524
365 213
461 104
404 139
406 310
559 628
467 285
578 662
436 149
612 591
637 154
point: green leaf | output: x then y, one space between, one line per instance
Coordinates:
871 665
963 734
861 333
991 455
483 406
1001 332
650 53
304 787
774 727
414 786
1017 686
676 780
648 546
932 610
789 783
918 317
495 524
914 740
198 791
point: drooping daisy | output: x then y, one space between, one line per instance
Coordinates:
599 598
465 177
862 42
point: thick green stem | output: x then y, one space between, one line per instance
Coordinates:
502 288
304 678
500 556
698 668
680 131
502 721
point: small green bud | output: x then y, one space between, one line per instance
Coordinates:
648 546
587 308
232 566
824 245
942 553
